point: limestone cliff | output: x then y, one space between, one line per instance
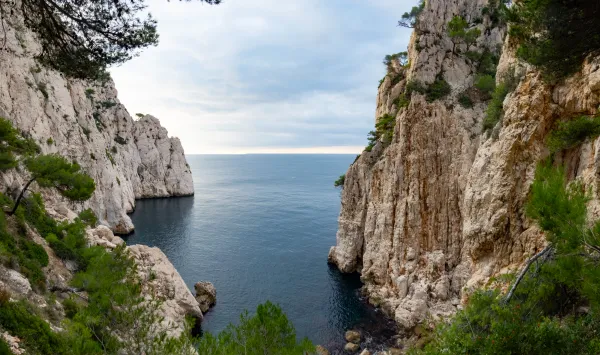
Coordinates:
440 210
128 159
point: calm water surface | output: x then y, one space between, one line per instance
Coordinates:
259 228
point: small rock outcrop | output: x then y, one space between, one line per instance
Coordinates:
160 280
320 350
351 347
352 336
206 295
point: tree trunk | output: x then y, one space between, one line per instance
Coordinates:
524 271
10 213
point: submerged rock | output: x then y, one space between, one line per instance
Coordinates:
206 295
352 348
352 336
320 350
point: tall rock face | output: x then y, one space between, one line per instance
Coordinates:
84 121
440 209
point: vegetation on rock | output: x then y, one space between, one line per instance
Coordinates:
553 305
340 181
410 19
569 134
82 44
54 171
267 332
555 35
459 33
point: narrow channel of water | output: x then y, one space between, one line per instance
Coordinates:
260 228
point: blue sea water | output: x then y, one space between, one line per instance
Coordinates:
259 228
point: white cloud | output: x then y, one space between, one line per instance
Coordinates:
264 75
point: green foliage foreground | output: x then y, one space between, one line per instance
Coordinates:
556 307
569 134
267 332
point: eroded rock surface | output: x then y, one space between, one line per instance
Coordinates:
441 209
85 122
206 295
160 280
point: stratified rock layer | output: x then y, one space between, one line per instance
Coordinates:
441 209
85 122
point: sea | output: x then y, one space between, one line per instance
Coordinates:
259 227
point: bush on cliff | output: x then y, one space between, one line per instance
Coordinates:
555 35
82 44
267 332
340 181
553 307
569 134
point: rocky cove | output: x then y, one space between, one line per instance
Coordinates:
431 211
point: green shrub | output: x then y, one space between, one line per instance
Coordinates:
108 104
488 63
372 139
385 127
402 101
89 93
495 107
20 320
50 141
35 252
267 332
541 317
438 90
61 249
555 35
340 181
88 217
415 86
411 19
4 348
71 307
486 84
473 56
569 134
465 101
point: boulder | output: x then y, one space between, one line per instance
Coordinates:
352 336
351 347
365 352
320 350
162 281
206 295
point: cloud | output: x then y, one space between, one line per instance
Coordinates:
265 75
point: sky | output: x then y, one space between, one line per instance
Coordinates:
265 76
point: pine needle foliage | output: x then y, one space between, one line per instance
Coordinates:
555 35
569 134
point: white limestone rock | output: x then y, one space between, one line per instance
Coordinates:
85 122
440 210
163 282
